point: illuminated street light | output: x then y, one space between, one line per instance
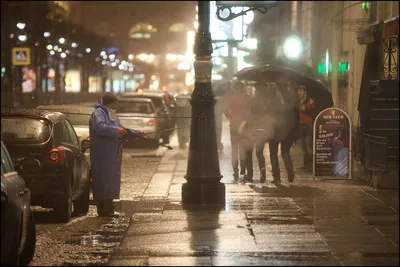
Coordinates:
130 57
74 45
22 38
293 47
49 47
63 55
46 34
88 50
61 40
21 25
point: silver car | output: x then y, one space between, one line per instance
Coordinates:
140 114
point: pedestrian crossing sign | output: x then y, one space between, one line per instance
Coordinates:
21 56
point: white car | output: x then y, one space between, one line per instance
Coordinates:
140 114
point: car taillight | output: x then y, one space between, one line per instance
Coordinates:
56 155
152 122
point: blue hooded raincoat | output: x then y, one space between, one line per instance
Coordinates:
105 154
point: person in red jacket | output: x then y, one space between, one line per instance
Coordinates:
236 111
306 114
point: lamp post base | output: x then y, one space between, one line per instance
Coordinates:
204 194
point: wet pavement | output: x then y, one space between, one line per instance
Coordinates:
309 222
89 240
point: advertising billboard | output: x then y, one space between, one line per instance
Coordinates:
28 80
224 31
332 142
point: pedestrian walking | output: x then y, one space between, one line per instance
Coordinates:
237 108
106 133
306 115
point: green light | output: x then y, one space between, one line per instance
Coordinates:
321 67
343 66
365 6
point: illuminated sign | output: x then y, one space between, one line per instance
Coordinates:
21 56
247 3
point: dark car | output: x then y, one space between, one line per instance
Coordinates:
62 181
18 232
163 110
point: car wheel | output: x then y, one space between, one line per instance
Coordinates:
30 243
81 205
63 210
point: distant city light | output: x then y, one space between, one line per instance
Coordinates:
55 47
130 56
61 40
113 64
49 47
74 45
293 47
21 25
37 44
22 38
80 55
46 34
59 50
63 55
112 57
88 50
103 53
52 52
121 67
11 36
104 62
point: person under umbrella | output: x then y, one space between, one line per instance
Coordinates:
106 133
307 110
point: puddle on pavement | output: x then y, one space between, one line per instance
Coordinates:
97 239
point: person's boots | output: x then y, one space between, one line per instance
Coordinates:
263 175
249 176
287 159
100 208
242 171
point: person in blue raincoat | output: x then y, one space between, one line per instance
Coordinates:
106 133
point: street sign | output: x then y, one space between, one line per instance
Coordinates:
21 56
247 3
332 142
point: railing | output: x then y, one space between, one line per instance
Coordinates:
375 152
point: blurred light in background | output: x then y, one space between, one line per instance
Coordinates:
46 34
61 40
74 45
63 55
49 47
22 38
130 57
293 47
88 50
21 25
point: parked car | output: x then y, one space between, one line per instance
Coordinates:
166 120
140 114
18 231
62 181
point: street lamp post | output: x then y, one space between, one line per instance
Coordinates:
203 175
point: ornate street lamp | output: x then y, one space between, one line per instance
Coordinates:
203 175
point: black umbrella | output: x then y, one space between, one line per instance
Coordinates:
269 73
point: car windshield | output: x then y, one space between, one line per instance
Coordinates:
135 107
21 130
157 101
